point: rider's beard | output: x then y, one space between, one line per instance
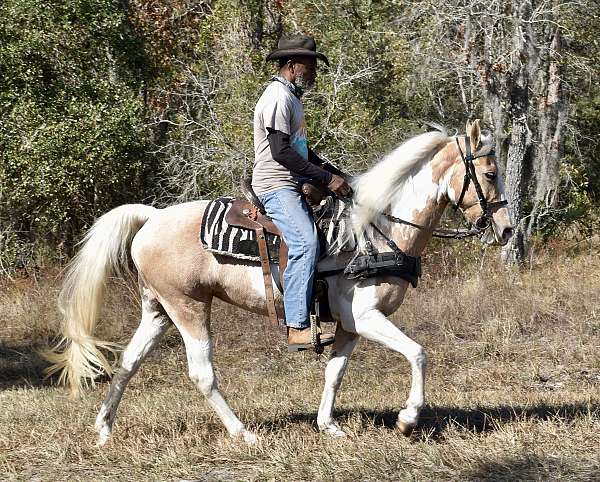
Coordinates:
304 83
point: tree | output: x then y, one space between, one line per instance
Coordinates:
507 59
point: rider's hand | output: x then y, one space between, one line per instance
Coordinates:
339 186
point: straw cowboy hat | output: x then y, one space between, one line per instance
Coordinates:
296 46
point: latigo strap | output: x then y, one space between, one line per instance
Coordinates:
266 270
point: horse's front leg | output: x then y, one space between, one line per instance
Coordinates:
334 372
373 325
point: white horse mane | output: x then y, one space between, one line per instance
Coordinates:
375 189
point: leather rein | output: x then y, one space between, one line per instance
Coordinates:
397 262
484 221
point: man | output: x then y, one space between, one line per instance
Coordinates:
282 161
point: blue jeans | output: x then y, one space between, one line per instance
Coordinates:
292 216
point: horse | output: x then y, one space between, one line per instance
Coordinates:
178 278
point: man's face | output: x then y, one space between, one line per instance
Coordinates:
305 71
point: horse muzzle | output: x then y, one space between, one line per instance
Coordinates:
502 226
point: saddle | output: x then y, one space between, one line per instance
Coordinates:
249 213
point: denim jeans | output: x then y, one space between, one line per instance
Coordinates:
290 213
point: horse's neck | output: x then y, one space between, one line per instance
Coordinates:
422 201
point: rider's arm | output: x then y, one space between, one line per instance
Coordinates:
312 157
284 154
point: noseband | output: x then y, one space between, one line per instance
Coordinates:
471 176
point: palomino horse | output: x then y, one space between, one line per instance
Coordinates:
178 278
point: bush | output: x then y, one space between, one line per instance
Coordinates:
73 141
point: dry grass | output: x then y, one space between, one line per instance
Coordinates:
513 390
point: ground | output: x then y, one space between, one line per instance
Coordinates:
513 388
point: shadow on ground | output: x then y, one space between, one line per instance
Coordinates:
22 366
534 467
435 421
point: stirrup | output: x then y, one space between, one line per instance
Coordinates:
316 343
315 335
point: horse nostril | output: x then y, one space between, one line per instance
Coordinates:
507 234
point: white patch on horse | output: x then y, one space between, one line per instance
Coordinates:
419 190
150 328
450 192
257 282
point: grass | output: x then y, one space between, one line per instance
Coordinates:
513 388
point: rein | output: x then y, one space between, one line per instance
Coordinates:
438 233
398 263
483 222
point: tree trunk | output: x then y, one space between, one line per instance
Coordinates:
518 160
552 114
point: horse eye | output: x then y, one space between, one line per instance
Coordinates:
490 176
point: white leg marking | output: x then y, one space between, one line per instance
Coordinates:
373 325
334 372
144 340
146 337
199 356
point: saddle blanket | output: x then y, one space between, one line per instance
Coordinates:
217 236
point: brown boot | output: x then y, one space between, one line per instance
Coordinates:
300 339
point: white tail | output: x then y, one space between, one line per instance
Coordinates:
104 252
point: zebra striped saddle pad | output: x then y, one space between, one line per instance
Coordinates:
217 236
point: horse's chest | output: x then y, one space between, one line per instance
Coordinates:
390 295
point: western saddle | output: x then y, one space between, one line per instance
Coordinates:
249 213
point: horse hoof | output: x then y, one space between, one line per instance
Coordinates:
103 436
249 437
333 430
406 429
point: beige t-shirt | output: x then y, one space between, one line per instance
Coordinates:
280 110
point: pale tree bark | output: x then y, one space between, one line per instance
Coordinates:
552 114
510 53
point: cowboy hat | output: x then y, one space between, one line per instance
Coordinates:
296 46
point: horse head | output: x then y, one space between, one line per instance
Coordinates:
475 186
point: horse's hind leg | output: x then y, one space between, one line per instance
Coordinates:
154 323
334 372
192 318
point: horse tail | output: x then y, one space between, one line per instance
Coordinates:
104 252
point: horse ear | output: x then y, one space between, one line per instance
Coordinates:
474 134
468 128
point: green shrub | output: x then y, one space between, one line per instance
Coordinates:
73 141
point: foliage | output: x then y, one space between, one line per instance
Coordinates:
208 115
584 144
574 210
72 137
105 102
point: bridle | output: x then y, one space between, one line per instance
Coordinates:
487 208
397 262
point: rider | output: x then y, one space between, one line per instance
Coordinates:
282 161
